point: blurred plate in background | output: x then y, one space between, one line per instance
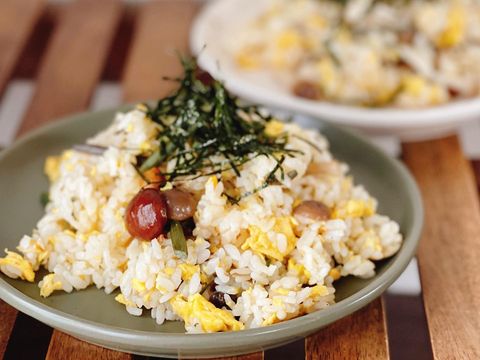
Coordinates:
211 46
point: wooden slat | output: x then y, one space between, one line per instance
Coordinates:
74 60
7 315
449 252
17 20
254 356
362 335
162 31
63 346
67 78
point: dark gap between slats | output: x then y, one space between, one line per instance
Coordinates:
292 351
30 58
29 339
476 171
118 52
141 357
408 335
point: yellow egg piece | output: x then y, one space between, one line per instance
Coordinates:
318 290
138 285
188 270
247 60
121 299
17 261
326 70
354 208
274 128
454 31
49 285
259 242
288 39
334 274
51 168
198 309
299 270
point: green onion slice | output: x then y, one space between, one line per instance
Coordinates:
178 240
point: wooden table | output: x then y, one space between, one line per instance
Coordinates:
69 48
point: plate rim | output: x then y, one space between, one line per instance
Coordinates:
171 342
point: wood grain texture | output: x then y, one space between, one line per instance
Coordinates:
7 315
253 356
162 29
66 347
74 60
17 20
449 253
362 335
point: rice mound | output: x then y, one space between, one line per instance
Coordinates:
270 265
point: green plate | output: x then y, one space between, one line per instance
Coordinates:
93 316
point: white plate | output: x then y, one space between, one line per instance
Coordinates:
214 29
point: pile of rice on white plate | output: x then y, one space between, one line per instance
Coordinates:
406 68
272 255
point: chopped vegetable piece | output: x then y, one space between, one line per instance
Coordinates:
44 198
178 240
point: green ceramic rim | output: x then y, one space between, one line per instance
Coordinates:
245 341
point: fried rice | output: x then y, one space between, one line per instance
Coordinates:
269 264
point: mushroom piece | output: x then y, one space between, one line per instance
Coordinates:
314 210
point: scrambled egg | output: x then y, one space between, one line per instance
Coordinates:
270 320
416 86
121 299
213 180
318 290
326 69
334 274
354 208
197 308
49 285
259 242
288 39
188 270
454 31
247 60
274 128
17 261
299 270
138 285
372 241
52 167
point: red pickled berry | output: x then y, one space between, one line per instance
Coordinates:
146 214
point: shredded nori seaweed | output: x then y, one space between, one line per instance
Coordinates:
205 130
